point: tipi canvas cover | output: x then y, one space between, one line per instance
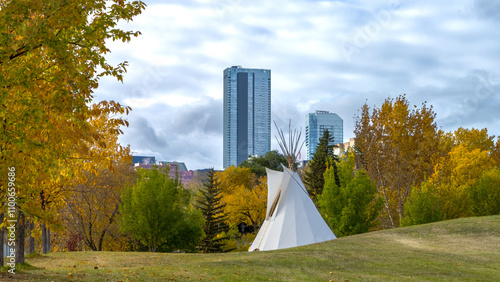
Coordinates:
292 218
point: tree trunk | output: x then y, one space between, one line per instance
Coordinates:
111 220
31 240
90 239
48 240
101 240
20 238
44 239
1 241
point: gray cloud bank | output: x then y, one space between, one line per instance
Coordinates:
324 55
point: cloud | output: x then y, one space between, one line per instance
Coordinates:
204 116
143 134
426 49
487 9
191 132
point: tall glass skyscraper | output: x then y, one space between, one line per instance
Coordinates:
247 114
316 124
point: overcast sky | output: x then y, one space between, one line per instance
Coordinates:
323 55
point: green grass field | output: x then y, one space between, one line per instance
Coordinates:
462 249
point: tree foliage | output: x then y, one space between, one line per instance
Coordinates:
272 160
322 158
52 54
232 177
454 176
423 205
474 139
353 206
248 205
485 195
210 205
156 212
463 181
495 154
92 211
245 196
396 146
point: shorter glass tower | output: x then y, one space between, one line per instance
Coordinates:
316 124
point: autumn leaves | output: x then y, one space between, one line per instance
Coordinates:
422 173
57 137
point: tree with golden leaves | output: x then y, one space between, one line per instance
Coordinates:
456 188
91 209
396 145
244 196
52 55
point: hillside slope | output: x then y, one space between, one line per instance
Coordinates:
462 249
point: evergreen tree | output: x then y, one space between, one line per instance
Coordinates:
314 176
209 202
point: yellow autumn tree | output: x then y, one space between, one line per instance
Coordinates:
396 145
51 59
446 194
496 152
455 175
245 196
232 177
474 139
91 210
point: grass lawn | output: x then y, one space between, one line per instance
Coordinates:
461 249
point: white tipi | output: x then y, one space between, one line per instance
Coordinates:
292 218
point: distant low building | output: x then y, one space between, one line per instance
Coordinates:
302 164
344 147
178 165
180 168
143 160
185 176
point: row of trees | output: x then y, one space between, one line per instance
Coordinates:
403 171
119 208
159 214
389 179
227 199
465 180
422 173
146 209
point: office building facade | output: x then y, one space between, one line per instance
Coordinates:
247 114
316 124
